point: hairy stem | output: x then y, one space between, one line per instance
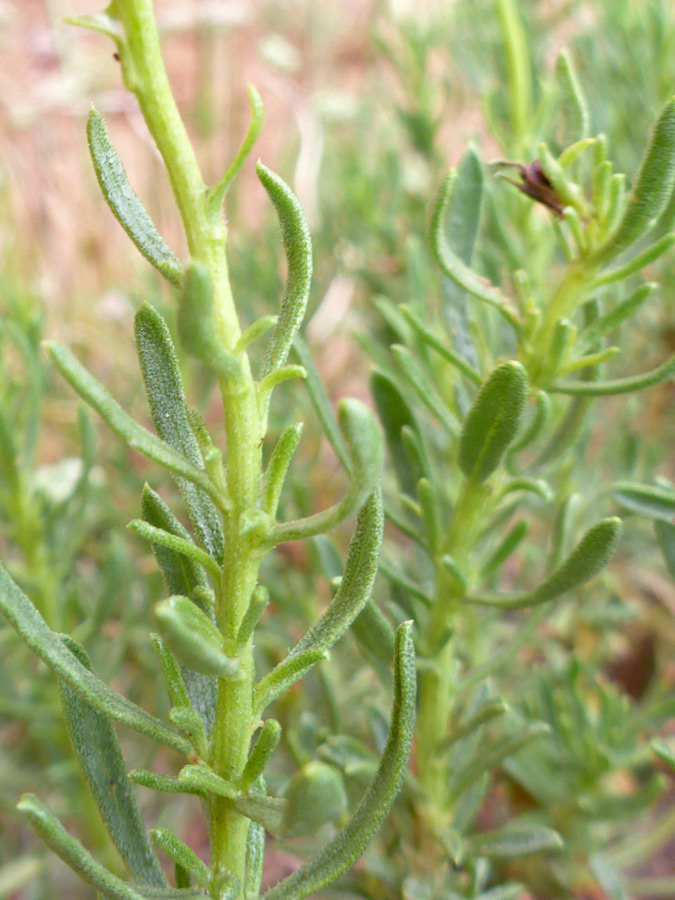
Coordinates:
145 75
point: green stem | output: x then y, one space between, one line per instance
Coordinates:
145 75
438 684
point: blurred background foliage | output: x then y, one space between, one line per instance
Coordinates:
367 105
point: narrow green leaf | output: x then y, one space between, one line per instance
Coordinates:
365 448
277 467
461 224
28 622
103 22
445 352
396 577
492 708
614 317
665 751
178 545
566 189
589 557
644 500
347 846
532 431
652 189
320 402
205 781
394 413
123 425
269 382
356 584
188 720
260 327
315 796
125 205
493 421
164 388
374 634
260 755
166 784
194 638
514 841
298 249
266 811
285 674
452 265
617 385
573 103
182 855
181 573
217 193
506 546
81 861
185 577
638 262
256 607
532 485
255 852
100 757
178 693
617 201
419 381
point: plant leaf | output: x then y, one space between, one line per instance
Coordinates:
347 846
322 408
514 841
394 413
452 265
182 855
645 500
125 205
260 755
122 424
356 584
591 554
493 421
81 861
298 249
363 440
25 619
291 669
100 757
176 544
652 189
164 387
194 638
217 193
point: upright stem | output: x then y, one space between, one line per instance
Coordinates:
437 685
145 75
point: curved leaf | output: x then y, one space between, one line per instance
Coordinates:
125 205
100 756
347 846
25 619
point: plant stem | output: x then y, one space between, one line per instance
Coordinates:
145 75
438 686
